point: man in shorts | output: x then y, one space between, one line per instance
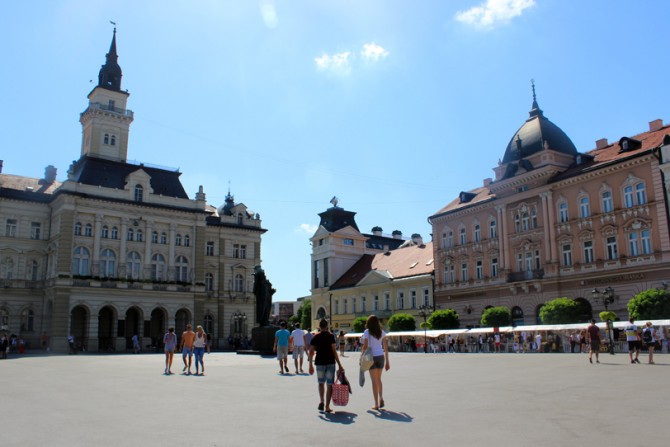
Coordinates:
593 332
324 344
281 347
633 339
299 342
187 339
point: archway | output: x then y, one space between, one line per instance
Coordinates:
157 327
106 338
321 313
517 316
585 310
133 320
538 318
79 327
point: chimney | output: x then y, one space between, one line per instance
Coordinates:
377 231
50 174
487 181
397 234
601 143
655 125
417 239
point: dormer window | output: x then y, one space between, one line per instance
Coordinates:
629 144
112 140
239 218
466 197
105 139
139 192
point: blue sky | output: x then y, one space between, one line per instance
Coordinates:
392 106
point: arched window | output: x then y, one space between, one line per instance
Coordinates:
182 269
133 265
154 237
27 320
115 233
88 230
77 229
163 238
107 263
640 194
209 282
158 267
517 316
80 261
130 235
105 232
187 241
139 193
105 139
239 283
177 240
139 236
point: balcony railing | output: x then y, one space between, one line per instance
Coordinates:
98 106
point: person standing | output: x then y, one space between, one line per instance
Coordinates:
136 344
187 339
4 346
299 343
633 339
573 343
324 345
650 340
70 342
538 342
170 344
342 343
375 338
281 347
199 346
593 332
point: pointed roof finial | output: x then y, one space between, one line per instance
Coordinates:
535 108
110 73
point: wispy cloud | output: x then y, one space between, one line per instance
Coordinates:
307 228
338 63
373 52
493 12
269 13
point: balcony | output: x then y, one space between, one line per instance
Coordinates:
525 276
98 106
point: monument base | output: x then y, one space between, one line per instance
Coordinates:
263 339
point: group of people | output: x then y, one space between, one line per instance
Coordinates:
323 356
192 343
634 337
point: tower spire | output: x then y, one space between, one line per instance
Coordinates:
110 73
535 109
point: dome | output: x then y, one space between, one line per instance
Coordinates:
536 133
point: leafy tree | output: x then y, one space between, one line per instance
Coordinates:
359 324
305 314
560 311
444 319
293 319
401 322
650 304
609 315
496 317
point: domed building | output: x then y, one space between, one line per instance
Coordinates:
556 222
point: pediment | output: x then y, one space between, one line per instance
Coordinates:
374 277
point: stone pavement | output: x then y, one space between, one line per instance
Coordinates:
440 399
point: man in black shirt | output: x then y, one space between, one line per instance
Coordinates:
324 344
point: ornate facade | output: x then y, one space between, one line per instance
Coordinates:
118 249
557 223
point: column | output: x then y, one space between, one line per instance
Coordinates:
97 231
122 250
148 229
551 211
547 226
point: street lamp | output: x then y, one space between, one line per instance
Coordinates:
239 318
424 311
607 298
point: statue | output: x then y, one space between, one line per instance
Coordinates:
263 291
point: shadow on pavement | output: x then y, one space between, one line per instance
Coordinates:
339 417
391 416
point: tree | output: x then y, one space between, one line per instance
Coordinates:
496 317
359 324
401 322
609 315
305 314
443 319
650 304
560 311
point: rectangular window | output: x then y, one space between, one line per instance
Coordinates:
375 303
236 250
452 274
316 274
525 221
444 240
35 230
494 268
353 305
493 232
628 197
479 270
519 262
584 208
10 228
608 204
612 252
464 272
462 236
450 239
349 242
209 248
337 307
412 297
363 304
646 242
567 255
243 251
326 277
401 300
387 301
588 252
633 244
641 194
426 297
478 233
563 212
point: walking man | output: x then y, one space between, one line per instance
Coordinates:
299 341
281 347
324 345
633 339
593 332
187 339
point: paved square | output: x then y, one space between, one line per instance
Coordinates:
439 399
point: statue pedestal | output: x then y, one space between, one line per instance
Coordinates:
263 339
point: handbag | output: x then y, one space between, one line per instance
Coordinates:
366 359
341 390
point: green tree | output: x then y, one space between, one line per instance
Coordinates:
560 311
359 324
609 315
650 304
305 313
496 317
444 319
401 322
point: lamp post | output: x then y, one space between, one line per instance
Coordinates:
607 298
239 319
424 311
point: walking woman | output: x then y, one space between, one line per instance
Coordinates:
170 343
199 347
375 338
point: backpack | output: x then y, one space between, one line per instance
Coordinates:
646 336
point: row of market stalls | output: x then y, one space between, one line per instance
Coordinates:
552 338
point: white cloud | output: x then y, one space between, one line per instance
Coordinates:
493 12
373 52
307 228
269 13
338 63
